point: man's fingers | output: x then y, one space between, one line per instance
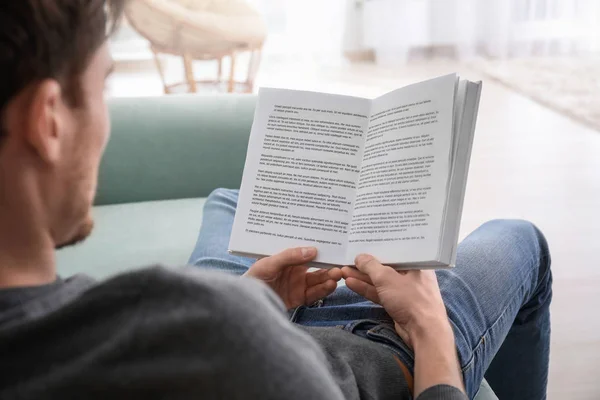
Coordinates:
323 275
297 275
317 292
366 263
369 265
348 272
335 274
364 289
288 258
316 277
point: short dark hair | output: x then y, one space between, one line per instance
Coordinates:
51 39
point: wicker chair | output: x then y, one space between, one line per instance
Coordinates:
201 30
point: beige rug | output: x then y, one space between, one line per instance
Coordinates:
568 85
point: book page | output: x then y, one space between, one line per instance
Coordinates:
401 191
468 97
300 174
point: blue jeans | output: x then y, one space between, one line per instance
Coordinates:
497 299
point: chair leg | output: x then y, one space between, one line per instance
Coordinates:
161 71
220 69
189 72
255 59
230 86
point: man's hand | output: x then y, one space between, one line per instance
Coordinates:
411 298
287 274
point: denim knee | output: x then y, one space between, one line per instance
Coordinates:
534 240
543 291
540 296
223 195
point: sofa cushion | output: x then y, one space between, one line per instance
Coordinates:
174 147
135 235
485 392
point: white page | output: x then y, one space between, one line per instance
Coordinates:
300 174
449 218
400 198
471 93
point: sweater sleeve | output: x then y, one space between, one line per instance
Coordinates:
250 349
442 392
160 333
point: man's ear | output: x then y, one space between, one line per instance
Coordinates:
45 120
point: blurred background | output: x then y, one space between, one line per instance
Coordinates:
362 47
536 154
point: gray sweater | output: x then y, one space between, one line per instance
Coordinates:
181 334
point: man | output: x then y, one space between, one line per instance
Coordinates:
195 333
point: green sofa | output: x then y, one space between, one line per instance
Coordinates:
165 155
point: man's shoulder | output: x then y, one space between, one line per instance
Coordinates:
181 332
183 284
158 302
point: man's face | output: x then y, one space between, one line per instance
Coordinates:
84 134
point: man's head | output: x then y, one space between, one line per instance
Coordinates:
53 119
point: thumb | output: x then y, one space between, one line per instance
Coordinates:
369 265
287 258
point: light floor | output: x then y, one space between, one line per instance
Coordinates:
528 162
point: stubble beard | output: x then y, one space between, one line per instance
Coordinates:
84 230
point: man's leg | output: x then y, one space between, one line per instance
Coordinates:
213 240
211 252
498 299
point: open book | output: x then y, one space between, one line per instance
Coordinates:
350 175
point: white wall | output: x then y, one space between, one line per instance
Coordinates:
304 30
444 21
321 29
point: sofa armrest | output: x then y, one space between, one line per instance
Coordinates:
173 147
